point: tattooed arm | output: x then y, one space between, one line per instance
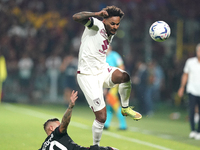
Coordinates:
83 17
67 116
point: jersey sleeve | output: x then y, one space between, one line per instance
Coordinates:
90 22
93 23
186 67
58 133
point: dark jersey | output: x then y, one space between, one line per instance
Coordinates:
62 141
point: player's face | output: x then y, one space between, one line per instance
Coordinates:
55 125
112 24
52 126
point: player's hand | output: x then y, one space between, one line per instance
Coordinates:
102 13
73 98
181 91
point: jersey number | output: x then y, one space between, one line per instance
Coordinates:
105 46
57 145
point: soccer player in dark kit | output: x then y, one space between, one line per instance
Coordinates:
58 138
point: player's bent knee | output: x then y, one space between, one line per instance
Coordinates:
126 77
101 117
120 77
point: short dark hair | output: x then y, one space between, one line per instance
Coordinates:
49 120
114 11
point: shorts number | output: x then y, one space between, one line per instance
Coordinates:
57 145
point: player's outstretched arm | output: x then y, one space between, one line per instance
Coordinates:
67 116
83 17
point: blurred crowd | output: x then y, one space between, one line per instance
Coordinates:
37 37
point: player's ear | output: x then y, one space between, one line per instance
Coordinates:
51 128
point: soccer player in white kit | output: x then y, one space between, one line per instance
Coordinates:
94 73
191 79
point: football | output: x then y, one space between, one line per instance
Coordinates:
159 31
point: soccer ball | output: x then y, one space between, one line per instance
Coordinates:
159 31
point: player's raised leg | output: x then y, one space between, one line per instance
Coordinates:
93 92
123 79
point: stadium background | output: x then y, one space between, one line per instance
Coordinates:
40 29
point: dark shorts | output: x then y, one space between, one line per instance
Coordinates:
70 82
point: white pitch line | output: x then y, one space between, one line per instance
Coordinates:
135 140
79 125
27 111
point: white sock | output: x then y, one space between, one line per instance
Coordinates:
124 92
196 118
97 129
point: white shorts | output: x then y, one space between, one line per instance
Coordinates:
92 87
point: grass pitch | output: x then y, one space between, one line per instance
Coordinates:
21 128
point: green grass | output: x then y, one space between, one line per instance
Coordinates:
21 129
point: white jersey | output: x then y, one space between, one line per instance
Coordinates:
192 68
94 45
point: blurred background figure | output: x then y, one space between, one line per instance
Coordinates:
155 81
53 63
191 77
25 68
148 81
111 95
140 81
40 79
3 73
69 69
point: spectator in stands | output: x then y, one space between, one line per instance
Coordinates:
155 82
140 82
53 63
25 66
69 68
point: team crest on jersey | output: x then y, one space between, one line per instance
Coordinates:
103 33
97 102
